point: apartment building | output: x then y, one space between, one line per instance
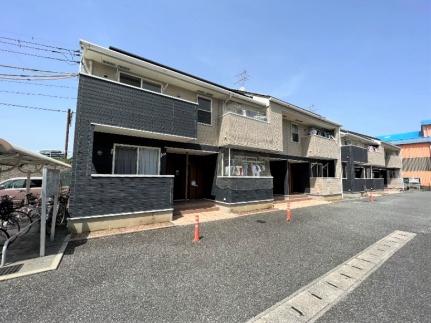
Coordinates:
415 152
148 135
368 163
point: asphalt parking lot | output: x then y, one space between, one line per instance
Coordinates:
240 268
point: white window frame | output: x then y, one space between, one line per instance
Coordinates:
140 81
137 157
291 133
343 165
211 101
311 169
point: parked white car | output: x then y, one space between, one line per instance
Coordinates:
16 187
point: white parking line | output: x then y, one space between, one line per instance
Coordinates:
312 301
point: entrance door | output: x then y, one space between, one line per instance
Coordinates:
176 165
299 178
278 172
201 176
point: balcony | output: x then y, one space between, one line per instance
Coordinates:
325 186
109 104
377 158
354 154
241 131
320 147
394 161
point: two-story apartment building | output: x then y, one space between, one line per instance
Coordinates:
148 135
369 164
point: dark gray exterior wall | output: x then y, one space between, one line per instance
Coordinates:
115 104
112 195
352 155
105 102
237 189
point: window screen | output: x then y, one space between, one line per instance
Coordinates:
204 110
136 160
130 80
125 160
151 86
344 165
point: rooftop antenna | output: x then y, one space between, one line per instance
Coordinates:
242 78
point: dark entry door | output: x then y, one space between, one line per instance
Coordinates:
201 175
278 172
299 177
176 165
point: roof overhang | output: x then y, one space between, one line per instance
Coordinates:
309 114
360 138
170 76
13 156
139 133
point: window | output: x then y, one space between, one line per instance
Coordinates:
132 160
344 169
35 183
242 164
204 110
151 86
138 82
239 109
130 80
359 172
295 133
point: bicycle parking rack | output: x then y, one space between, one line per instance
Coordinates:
16 235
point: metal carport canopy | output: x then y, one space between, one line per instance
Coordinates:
13 156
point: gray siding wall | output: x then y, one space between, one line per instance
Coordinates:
362 184
114 104
237 189
104 102
110 195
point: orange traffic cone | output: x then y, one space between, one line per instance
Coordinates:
288 212
197 236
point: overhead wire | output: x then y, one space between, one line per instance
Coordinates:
32 107
37 94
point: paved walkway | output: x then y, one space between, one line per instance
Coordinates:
242 267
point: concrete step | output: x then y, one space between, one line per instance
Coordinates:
292 198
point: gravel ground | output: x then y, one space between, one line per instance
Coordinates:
240 268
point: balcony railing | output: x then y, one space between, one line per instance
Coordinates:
236 130
394 161
320 147
376 158
354 154
113 104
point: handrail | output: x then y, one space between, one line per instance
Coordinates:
6 244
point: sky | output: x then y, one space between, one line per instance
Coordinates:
363 64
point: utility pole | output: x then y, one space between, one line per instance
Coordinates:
68 123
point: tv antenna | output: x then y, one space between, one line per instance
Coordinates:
242 78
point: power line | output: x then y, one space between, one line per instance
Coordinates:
32 107
42 76
40 56
39 94
18 44
39 44
30 82
32 69
35 77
